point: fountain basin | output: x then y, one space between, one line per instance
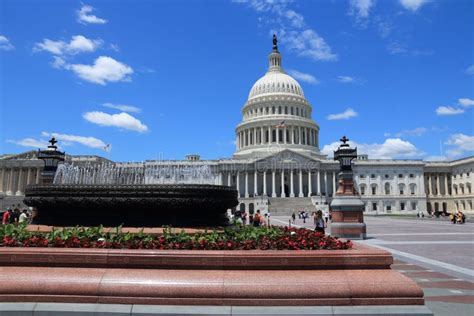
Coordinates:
139 205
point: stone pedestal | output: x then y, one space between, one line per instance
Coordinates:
347 210
347 217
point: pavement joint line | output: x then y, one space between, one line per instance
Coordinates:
455 291
447 266
421 234
420 242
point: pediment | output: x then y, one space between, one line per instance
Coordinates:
288 158
28 155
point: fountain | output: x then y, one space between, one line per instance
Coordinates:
132 194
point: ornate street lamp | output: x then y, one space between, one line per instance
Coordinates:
347 207
51 157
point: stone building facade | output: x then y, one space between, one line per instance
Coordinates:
278 165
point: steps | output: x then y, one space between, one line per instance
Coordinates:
286 206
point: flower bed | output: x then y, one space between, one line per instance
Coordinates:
238 238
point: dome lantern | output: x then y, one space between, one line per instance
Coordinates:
274 59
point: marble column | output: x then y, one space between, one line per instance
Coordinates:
254 136
10 183
292 185
431 184
255 183
19 189
438 186
284 135
28 177
262 135
310 184
246 184
446 191
273 184
319 182
265 183
228 179
2 178
38 175
301 194
326 183
333 183
283 183
269 134
299 135
238 183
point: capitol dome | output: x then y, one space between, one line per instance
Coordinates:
274 82
276 116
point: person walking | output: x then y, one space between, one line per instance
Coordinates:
23 217
257 219
293 217
320 224
6 216
326 215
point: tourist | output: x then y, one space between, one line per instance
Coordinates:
293 217
23 219
320 224
453 217
326 215
304 215
461 218
257 219
16 216
6 216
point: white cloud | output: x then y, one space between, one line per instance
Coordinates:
345 79
123 107
58 62
413 5
308 78
5 43
391 148
470 70
84 16
122 120
105 69
308 43
360 8
347 114
89 141
291 29
30 142
419 131
77 44
466 102
448 110
460 144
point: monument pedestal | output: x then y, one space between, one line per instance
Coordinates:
347 217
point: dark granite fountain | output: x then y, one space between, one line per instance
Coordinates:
135 194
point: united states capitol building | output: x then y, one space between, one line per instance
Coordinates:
278 166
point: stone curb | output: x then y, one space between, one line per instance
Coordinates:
73 309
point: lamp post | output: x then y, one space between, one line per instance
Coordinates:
347 207
51 157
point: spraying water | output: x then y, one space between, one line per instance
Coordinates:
134 173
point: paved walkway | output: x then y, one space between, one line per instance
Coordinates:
436 254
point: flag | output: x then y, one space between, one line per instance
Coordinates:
282 124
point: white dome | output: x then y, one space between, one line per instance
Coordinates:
276 82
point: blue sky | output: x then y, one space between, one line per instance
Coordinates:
161 79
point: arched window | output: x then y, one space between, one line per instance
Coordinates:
279 110
362 189
242 207
387 188
401 189
412 188
374 189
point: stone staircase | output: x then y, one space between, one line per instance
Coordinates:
286 206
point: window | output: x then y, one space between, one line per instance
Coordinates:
402 206
374 206
412 175
292 112
362 189
362 176
286 110
412 189
389 207
413 206
386 176
279 110
387 188
372 176
297 111
374 190
400 175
